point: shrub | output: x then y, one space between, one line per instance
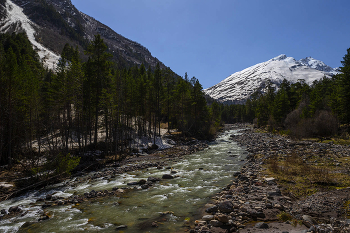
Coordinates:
283 216
66 163
325 124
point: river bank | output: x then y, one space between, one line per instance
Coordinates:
258 201
160 192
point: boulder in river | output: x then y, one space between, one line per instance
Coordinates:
121 227
14 209
153 179
133 183
167 176
141 182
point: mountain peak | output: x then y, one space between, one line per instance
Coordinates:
238 87
279 58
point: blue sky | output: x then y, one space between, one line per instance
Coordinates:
212 39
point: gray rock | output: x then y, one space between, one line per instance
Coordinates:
312 228
226 207
261 225
223 218
235 174
308 220
121 227
141 182
153 179
133 183
167 176
216 223
207 217
144 186
212 209
14 209
274 193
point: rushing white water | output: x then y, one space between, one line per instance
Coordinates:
200 176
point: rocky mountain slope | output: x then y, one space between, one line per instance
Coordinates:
238 87
50 24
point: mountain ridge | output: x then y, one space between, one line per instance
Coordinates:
238 87
57 22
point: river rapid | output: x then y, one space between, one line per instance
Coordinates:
170 204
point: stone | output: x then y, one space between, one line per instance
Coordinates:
153 179
200 222
133 183
154 224
261 225
270 179
141 182
167 176
226 207
121 227
223 218
274 193
308 221
216 223
144 186
14 209
3 211
44 217
312 229
212 209
278 206
207 217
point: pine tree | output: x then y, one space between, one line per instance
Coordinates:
98 74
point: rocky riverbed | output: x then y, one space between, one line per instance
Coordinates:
257 202
159 159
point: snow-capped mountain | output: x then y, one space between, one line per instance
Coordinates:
15 20
238 87
50 24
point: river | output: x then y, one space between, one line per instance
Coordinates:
173 204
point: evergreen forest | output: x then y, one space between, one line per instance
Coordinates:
298 109
92 105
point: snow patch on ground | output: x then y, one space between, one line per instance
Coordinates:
17 21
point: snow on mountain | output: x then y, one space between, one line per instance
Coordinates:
238 87
16 21
50 24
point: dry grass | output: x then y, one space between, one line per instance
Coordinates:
300 178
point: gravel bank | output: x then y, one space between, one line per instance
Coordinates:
253 201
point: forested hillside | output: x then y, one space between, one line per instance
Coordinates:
88 105
299 109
